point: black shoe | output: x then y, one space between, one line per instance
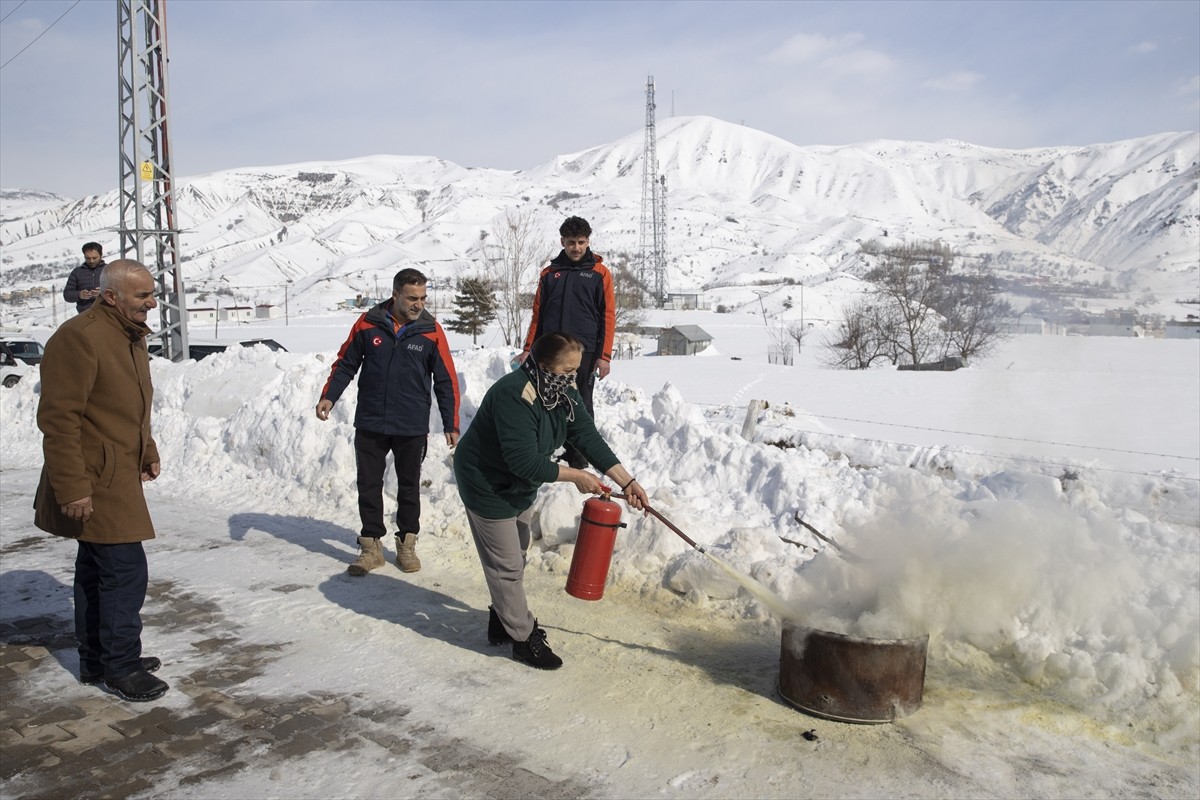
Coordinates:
535 652
496 632
574 459
149 663
137 687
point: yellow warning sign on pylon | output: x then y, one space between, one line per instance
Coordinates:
147 171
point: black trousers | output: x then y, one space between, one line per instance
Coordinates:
370 452
110 587
585 380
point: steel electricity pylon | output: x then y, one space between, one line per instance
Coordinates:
148 229
652 263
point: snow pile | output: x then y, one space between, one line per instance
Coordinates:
1047 576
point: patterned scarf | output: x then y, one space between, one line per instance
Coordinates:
551 388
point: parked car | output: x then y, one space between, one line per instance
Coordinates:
11 374
20 350
199 349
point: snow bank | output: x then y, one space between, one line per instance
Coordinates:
1052 577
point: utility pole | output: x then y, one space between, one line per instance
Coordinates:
652 270
148 228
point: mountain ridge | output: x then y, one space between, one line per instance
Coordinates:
745 208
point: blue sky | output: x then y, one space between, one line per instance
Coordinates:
511 85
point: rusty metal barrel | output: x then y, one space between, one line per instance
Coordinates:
851 678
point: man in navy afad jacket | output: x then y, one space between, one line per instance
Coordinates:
401 351
575 295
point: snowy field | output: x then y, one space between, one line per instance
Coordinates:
1037 515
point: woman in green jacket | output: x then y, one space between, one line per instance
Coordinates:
501 461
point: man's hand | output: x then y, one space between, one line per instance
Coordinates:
451 438
603 367
78 509
150 472
323 409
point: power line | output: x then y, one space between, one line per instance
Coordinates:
1019 458
963 433
1008 438
9 14
948 449
40 35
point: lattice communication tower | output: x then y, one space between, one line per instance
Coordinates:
148 230
652 269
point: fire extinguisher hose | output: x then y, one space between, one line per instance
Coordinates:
668 523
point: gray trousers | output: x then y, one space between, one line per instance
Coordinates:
501 544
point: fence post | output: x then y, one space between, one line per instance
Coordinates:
751 422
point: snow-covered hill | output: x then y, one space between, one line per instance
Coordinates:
745 209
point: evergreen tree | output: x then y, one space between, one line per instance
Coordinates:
476 305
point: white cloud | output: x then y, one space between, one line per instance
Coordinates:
1190 86
958 81
804 47
862 63
1143 47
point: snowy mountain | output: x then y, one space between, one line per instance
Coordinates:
745 209
20 202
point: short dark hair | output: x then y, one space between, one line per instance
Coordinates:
407 276
575 226
550 348
93 246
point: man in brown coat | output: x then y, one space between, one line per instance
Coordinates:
94 415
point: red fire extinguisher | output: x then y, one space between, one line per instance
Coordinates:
594 548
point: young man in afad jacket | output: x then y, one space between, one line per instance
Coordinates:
575 296
399 352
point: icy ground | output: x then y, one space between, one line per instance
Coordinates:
1060 585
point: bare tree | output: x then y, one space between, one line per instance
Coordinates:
974 315
629 295
858 341
797 332
919 310
513 252
780 350
911 277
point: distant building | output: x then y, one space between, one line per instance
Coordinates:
683 301
1182 329
1030 324
683 340
358 301
267 311
237 313
1118 322
201 314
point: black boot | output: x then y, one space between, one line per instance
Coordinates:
535 651
496 632
138 687
149 663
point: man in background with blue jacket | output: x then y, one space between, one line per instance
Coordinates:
402 352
